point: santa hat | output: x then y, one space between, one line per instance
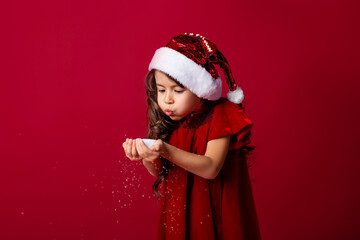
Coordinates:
190 58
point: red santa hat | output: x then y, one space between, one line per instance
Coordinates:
190 58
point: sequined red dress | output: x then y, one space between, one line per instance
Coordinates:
222 208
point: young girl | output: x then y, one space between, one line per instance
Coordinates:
202 142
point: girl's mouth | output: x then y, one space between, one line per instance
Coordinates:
169 113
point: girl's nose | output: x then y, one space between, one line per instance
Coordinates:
169 98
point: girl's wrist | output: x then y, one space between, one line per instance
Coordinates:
164 150
154 167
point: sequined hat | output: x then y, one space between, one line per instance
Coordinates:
190 58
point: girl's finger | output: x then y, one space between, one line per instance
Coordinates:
157 145
155 148
128 150
133 149
141 147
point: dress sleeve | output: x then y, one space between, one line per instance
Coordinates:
230 119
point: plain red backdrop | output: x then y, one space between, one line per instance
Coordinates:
72 89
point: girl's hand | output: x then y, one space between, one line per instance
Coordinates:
149 154
130 149
137 150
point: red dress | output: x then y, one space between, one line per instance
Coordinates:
221 208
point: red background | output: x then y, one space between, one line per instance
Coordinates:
72 89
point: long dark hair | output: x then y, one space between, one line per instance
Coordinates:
160 126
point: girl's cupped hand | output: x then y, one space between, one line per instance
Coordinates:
135 149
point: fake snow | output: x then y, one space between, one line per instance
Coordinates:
118 189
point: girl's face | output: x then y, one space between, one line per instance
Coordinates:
175 101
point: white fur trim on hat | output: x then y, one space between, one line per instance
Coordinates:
192 75
236 96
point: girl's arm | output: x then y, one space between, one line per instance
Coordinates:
206 166
154 167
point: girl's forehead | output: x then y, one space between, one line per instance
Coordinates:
163 79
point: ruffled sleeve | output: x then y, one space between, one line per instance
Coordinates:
230 119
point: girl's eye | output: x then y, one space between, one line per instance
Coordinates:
161 90
179 91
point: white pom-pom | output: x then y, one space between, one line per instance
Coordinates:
236 96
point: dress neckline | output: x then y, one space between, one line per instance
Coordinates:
197 118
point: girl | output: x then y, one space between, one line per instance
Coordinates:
202 142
